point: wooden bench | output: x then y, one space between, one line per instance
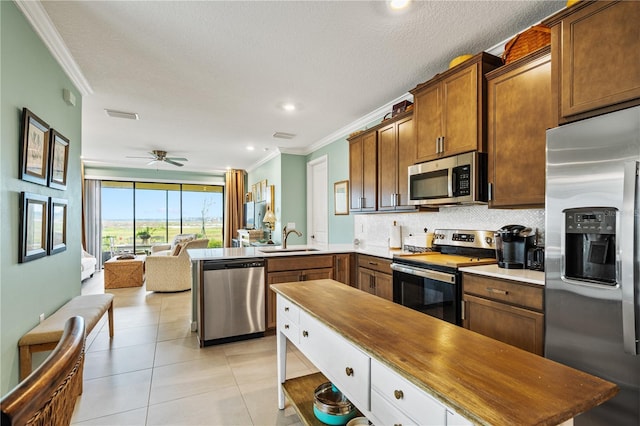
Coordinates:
46 335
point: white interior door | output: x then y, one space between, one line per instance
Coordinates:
317 196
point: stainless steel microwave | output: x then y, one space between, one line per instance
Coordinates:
460 179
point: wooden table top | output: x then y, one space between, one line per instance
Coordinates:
487 381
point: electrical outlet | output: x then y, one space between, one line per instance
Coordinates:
194 326
42 317
291 225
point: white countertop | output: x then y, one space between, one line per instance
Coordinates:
523 275
247 252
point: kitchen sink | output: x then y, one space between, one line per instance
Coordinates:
285 250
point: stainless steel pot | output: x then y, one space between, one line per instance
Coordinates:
330 400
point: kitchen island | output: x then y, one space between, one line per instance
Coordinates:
451 372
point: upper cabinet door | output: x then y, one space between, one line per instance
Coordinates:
520 112
460 104
406 157
387 167
427 115
596 65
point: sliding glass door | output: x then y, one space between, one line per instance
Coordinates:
136 215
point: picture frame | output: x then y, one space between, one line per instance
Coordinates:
341 197
34 231
34 153
57 225
263 190
58 161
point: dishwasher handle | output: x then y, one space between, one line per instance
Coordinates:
214 265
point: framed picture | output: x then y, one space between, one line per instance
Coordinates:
341 197
255 188
34 154
59 158
263 190
33 226
57 225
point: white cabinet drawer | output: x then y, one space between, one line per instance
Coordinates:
289 329
288 309
387 414
406 396
346 366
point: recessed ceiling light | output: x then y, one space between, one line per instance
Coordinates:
122 114
289 107
398 4
250 148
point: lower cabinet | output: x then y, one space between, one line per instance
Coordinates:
293 268
375 276
505 310
377 391
343 268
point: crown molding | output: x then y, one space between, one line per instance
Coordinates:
41 23
360 123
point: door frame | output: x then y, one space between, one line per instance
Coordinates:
310 165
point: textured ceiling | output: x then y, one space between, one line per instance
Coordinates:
208 78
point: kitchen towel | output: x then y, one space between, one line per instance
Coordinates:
395 236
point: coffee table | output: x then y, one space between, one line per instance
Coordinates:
119 273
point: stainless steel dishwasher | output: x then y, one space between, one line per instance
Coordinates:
231 302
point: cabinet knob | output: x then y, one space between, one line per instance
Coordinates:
398 394
286 326
286 309
349 371
305 333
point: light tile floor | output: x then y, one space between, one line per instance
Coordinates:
154 373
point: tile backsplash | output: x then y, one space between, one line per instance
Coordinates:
373 229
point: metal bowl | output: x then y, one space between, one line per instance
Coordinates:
330 406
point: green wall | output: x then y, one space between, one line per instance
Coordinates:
294 196
30 77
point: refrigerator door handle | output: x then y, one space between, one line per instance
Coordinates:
628 249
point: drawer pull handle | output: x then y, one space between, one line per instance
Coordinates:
373 263
398 394
305 333
286 326
497 291
349 371
286 309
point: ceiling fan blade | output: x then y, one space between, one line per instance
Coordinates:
148 158
152 161
173 162
177 158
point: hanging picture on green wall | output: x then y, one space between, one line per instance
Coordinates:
59 158
57 225
33 226
34 161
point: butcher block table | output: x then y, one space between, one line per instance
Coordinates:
119 273
470 377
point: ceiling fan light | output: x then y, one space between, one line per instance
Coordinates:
122 114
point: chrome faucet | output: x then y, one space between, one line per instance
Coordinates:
285 235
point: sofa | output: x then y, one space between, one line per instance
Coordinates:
87 265
170 270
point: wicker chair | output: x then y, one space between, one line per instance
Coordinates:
171 272
48 395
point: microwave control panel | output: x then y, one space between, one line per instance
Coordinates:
462 180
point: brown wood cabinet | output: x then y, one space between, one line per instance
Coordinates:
363 172
505 310
519 113
343 268
291 269
450 110
596 66
396 152
375 276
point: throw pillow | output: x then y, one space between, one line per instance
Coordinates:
182 238
177 249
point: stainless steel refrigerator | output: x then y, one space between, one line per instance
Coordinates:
592 253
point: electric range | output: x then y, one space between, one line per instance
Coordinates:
430 282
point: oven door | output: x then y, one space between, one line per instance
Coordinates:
428 291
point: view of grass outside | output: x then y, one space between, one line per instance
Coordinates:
138 215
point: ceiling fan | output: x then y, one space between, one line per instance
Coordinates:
159 155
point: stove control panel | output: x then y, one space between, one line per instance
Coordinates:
464 238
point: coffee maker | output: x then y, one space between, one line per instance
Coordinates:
512 246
